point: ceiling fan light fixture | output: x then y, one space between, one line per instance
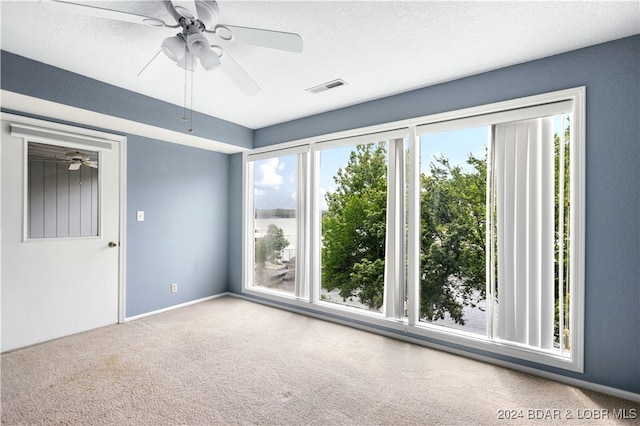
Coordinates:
198 45
210 61
173 48
187 62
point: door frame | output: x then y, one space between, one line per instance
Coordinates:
122 190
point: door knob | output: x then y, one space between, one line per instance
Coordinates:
113 244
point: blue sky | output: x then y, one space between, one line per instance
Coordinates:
275 178
455 145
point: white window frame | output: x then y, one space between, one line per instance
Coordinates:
248 226
61 138
393 307
518 109
308 300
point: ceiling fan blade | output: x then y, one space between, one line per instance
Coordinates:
238 75
186 8
75 165
92 164
99 12
158 66
290 42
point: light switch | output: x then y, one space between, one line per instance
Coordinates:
140 216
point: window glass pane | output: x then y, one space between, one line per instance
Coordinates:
452 229
562 187
353 203
62 192
275 223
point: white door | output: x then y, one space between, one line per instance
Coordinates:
57 280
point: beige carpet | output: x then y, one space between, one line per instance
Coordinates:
229 361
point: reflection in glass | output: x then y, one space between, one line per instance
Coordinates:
275 223
62 192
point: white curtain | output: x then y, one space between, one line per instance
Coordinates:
524 200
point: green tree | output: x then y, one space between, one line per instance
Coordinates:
562 145
353 228
452 239
269 248
452 233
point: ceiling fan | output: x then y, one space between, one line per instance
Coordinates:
77 159
196 20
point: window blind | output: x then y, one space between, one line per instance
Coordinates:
524 191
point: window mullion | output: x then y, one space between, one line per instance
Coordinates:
248 223
314 217
490 236
413 225
302 253
394 282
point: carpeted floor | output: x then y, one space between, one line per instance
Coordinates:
230 361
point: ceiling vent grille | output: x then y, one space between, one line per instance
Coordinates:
326 86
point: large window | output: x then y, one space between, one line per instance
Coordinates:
353 182
359 202
496 262
275 204
464 227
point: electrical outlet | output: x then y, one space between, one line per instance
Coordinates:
174 287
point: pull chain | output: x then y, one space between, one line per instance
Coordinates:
191 106
184 109
188 67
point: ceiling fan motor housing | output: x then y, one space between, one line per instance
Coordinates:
76 156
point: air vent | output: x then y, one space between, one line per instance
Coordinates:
326 86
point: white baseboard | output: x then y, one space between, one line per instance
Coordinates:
618 393
171 308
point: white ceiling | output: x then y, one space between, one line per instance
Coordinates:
379 48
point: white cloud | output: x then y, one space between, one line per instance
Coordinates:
268 175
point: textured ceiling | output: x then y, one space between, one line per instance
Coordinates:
378 47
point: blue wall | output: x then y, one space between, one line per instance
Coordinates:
235 223
32 78
183 192
611 74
